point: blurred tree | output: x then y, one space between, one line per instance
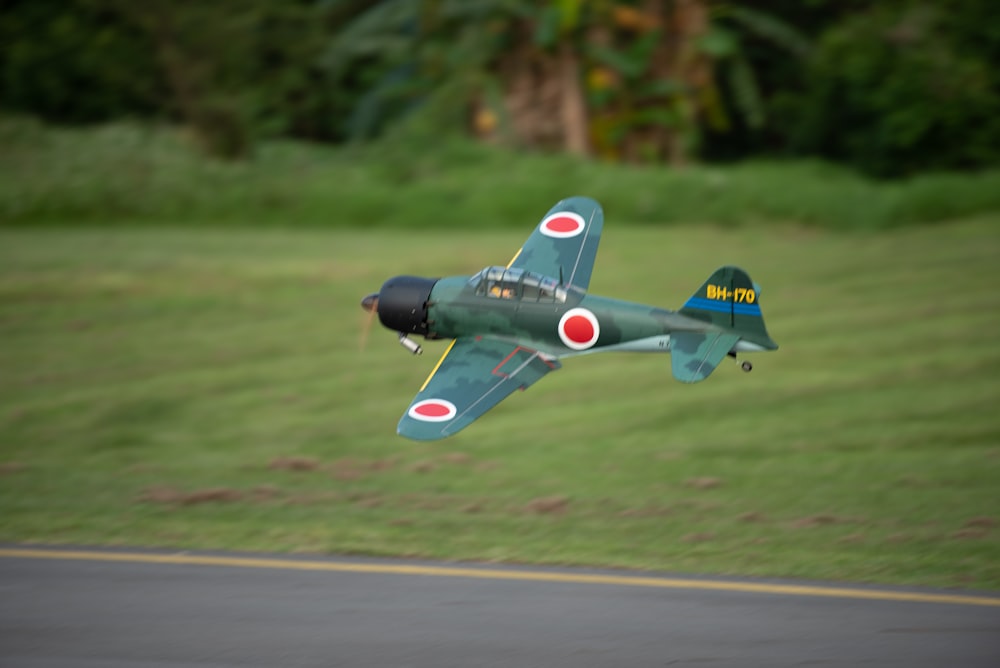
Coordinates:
231 71
663 71
74 61
892 87
423 60
629 80
903 86
239 68
205 52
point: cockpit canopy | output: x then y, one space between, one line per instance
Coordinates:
517 284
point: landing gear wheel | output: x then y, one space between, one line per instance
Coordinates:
746 366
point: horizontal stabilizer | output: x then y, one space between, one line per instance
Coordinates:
694 355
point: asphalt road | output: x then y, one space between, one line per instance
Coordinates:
111 609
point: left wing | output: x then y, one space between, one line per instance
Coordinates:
473 376
694 355
565 242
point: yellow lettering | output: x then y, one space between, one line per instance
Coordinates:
710 291
751 296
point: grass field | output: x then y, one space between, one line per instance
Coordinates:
200 388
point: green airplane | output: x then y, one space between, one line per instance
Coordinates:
512 324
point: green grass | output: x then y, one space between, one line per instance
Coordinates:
156 383
134 175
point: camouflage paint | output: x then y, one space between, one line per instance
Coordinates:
505 322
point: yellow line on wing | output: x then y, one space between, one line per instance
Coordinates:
497 574
438 365
516 255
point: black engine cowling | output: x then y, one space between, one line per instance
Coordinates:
402 303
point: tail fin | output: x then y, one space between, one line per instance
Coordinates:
729 299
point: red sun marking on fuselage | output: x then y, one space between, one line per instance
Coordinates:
579 329
433 410
562 225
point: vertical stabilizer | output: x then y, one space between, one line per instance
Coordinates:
729 299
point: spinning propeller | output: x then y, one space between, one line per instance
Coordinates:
370 304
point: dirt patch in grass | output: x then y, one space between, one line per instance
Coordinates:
315 499
702 537
703 483
383 464
648 510
9 468
851 539
348 469
970 534
422 467
548 505
752 517
164 495
298 464
370 501
818 521
265 493
981 523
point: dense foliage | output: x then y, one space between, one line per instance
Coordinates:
892 87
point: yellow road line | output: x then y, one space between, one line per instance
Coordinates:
497 574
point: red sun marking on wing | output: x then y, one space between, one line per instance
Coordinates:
433 410
579 329
562 225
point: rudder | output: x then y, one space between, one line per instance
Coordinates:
729 299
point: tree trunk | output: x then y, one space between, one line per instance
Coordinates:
573 105
691 69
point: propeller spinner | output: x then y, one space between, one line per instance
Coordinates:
401 306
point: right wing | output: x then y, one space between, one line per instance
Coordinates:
565 242
473 376
694 355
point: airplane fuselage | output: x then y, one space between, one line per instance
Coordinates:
571 323
510 325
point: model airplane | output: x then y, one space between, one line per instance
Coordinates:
512 324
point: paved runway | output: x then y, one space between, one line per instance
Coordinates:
61 609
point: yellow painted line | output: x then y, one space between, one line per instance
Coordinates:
497 574
516 255
437 366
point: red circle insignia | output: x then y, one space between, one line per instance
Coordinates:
579 329
562 225
433 410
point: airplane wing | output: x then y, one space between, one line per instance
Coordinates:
473 376
694 355
564 242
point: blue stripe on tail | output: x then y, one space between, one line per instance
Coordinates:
704 304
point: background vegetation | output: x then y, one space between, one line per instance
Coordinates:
129 174
892 87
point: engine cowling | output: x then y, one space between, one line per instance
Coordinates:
402 303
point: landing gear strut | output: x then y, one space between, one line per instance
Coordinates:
745 364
